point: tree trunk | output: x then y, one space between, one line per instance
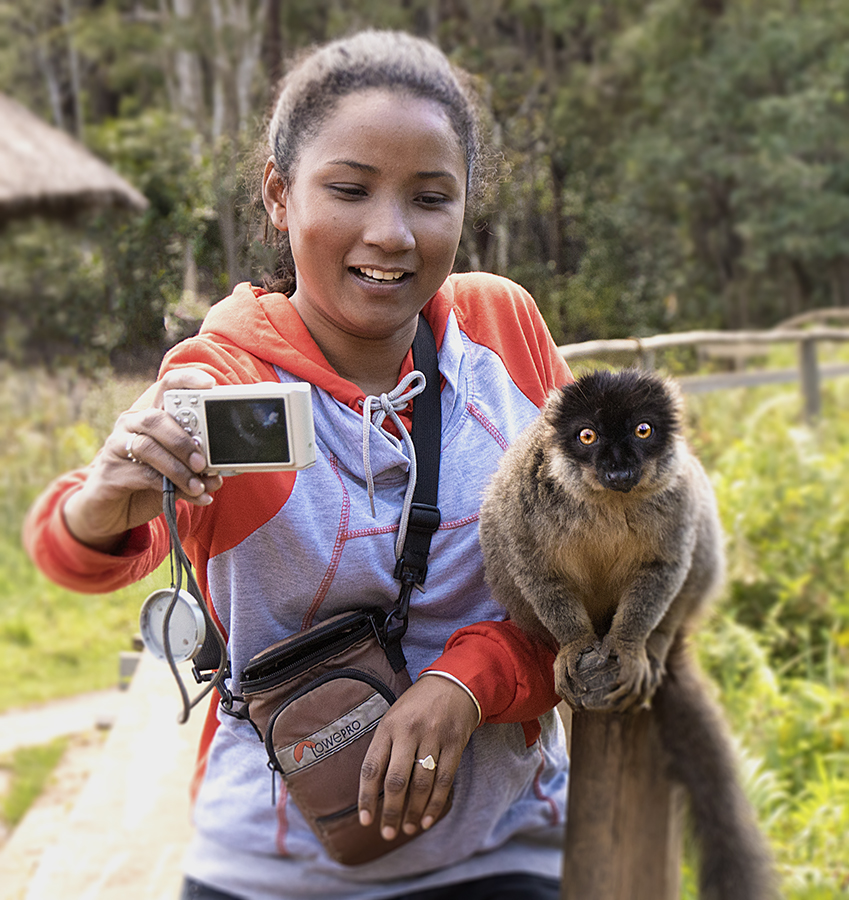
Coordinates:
54 91
272 48
188 75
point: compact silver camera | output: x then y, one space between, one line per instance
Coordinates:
264 427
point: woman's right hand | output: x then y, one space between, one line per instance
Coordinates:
124 487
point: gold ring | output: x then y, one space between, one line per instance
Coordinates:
428 763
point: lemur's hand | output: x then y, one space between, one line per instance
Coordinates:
568 681
638 678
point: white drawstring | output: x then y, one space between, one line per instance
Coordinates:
389 405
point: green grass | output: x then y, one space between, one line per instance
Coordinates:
777 645
29 768
59 643
55 642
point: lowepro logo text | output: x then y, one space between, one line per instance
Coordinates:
334 736
332 742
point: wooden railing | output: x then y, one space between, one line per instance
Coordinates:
643 352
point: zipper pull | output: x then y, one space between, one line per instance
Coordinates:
273 784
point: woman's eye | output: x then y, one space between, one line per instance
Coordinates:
348 190
587 436
431 199
643 430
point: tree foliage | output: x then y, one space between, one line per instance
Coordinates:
665 165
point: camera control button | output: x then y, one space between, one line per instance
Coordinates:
187 419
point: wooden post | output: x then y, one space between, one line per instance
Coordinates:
810 377
645 358
625 817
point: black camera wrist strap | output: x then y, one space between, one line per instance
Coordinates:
211 663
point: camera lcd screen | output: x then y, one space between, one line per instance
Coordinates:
246 431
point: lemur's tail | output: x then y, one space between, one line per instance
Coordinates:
735 862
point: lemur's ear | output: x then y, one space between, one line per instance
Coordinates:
553 406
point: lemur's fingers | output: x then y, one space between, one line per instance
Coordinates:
568 686
635 683
607 646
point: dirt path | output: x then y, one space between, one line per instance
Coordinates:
84 720
114 821
41 724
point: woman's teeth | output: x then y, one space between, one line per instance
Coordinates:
379 275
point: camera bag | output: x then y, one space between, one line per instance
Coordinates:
316 697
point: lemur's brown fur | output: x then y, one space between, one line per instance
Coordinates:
600 531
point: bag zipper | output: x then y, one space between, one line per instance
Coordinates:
330 817
253 681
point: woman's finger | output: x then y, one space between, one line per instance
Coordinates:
169 453
154 438
396 784
433 718
124 489
178 379
422 781
371 777
443 781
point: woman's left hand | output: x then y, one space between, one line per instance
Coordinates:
434 718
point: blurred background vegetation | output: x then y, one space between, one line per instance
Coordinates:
666 166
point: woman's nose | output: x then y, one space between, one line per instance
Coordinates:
387 226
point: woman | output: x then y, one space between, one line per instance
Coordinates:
375 152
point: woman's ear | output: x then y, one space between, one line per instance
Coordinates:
274 196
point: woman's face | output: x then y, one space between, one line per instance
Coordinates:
374 212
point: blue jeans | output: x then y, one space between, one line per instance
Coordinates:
511 886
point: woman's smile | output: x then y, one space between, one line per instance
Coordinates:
382 279
379 276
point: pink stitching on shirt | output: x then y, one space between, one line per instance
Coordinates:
339 544
343 535
487 425
368 532
459 523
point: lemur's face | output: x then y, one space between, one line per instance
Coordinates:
614 431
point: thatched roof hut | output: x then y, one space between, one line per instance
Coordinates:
44 171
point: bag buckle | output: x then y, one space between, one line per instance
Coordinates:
389 635
411 567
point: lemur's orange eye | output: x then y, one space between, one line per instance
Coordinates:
643 430
587 436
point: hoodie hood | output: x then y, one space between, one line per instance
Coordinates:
265 329
267 325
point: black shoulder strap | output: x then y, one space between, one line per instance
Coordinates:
427 436
411 568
